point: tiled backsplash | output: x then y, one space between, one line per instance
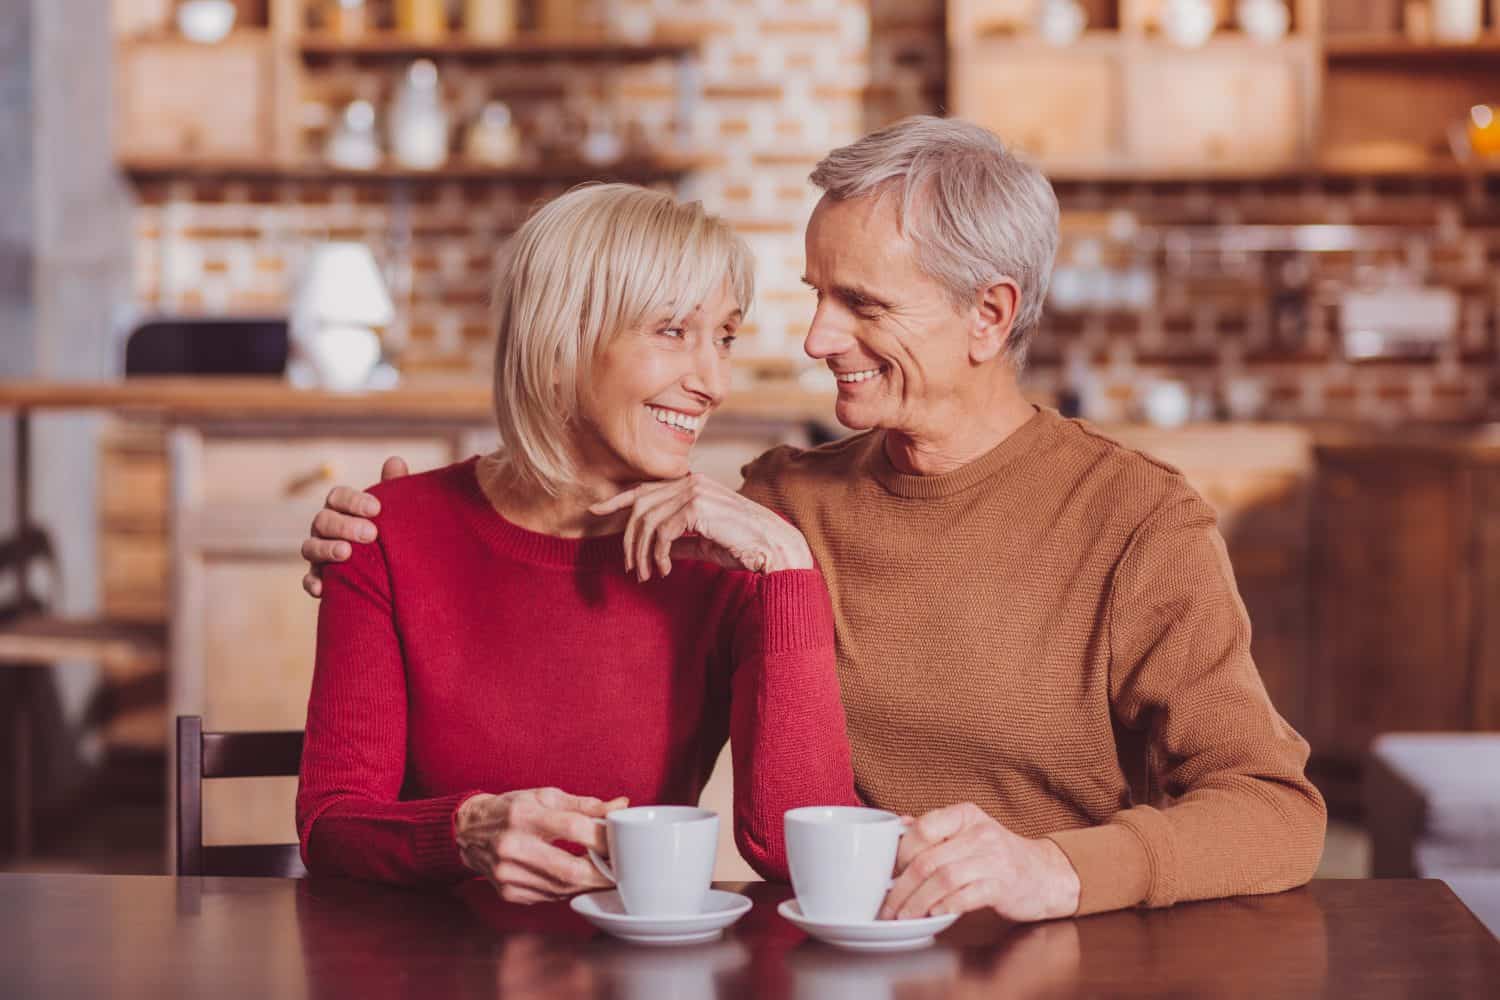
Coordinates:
1217 285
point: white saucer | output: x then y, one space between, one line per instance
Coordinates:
606 911
870 935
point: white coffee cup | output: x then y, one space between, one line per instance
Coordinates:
661 858
842 859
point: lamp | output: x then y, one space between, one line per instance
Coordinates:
339 301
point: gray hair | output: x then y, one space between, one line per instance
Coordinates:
974 212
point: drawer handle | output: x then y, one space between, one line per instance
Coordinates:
322 474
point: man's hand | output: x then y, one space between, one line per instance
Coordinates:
958 859
697 518
343 520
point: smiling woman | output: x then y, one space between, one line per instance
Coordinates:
506 665
613 284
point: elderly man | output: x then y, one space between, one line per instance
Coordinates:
1042 652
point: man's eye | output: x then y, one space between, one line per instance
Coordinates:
727 341
672 331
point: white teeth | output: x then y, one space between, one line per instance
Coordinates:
674 419
852 377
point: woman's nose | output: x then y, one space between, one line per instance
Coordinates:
710 374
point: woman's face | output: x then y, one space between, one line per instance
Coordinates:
653 389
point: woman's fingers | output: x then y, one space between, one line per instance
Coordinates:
573 873
617 502
648 511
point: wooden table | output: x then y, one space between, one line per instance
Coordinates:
131 936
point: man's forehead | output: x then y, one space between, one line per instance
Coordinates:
847 233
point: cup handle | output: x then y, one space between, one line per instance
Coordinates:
604 867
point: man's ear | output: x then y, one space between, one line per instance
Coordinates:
994 320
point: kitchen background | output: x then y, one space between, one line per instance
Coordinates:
1280 229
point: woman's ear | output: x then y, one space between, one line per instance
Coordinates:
994 320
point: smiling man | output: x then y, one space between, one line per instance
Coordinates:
1043 656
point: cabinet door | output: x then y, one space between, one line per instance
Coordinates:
1227 106
224 112
1060 108
1392 602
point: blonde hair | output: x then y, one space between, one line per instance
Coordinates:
973 210
598 260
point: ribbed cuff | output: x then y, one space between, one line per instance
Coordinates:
434 841
1113 866
796 610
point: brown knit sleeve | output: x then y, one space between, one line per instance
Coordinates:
1234 814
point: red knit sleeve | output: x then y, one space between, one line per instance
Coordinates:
786 725
350 817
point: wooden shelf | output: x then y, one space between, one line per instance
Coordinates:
535 47
1441 169
1393 48
123 647
667 167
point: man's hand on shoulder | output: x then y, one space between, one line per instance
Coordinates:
344 520
957 859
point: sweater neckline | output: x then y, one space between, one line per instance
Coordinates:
1020 441
598 552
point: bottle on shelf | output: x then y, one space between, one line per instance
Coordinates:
1457 20
490 20
347 20
493 139
422 20
557 18
353 144
418 121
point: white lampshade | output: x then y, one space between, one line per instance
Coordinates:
342 285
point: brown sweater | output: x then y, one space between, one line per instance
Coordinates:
1053 632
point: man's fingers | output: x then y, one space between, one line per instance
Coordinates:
920 868
334 526
931 828
313 584
322 550
943 882
394 468
347 500
976 895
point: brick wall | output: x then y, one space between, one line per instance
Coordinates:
785 80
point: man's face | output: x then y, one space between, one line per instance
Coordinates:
888 332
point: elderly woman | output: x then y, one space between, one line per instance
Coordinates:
504 666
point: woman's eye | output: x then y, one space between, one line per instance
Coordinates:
673 331
727 341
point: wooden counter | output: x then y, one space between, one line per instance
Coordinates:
458 400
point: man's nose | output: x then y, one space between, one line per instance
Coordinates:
829 335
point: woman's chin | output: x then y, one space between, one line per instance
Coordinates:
657 467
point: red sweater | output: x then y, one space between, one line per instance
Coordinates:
464 654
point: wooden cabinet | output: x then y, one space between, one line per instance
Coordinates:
1062 111
226 111
1408 582
1230 105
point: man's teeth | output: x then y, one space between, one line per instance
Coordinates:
674 419
858 376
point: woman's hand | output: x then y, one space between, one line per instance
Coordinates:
729 529
510 840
